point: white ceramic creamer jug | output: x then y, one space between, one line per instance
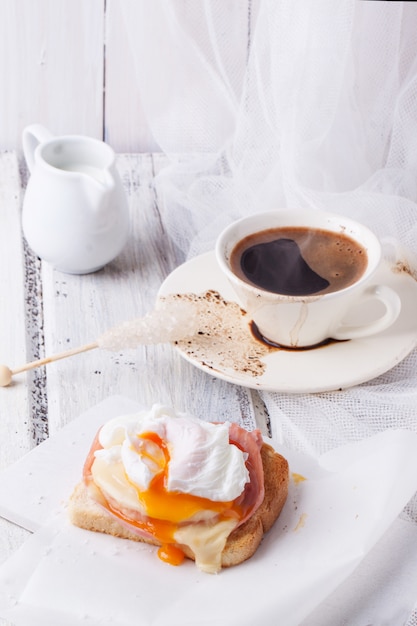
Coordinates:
75 211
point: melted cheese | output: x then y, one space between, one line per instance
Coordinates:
207 543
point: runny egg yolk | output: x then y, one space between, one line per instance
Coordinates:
171 554
167 510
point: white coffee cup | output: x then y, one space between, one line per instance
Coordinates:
300 321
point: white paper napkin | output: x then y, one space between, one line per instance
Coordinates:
64 575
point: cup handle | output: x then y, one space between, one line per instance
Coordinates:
392 302
32 136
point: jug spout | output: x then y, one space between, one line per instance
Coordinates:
98 184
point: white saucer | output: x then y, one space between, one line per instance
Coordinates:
332 367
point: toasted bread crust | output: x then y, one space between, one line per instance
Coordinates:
242 543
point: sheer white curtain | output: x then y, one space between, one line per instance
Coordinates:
270 103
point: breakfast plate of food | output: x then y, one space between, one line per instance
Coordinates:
307 522
229 347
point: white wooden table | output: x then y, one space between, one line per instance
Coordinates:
43 311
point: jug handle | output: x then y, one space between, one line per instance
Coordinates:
32 136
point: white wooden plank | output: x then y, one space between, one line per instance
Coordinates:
56 58
15 428
126 127
14 400
51 67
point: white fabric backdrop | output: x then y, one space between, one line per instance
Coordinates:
270 103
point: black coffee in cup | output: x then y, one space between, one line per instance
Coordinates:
299 261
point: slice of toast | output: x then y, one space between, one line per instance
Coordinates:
241 544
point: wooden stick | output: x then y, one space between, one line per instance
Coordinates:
55 357
6 373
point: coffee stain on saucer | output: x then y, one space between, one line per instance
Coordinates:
224 339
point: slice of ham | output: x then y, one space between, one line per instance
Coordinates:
250 442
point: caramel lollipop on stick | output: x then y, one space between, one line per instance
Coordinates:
173 320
